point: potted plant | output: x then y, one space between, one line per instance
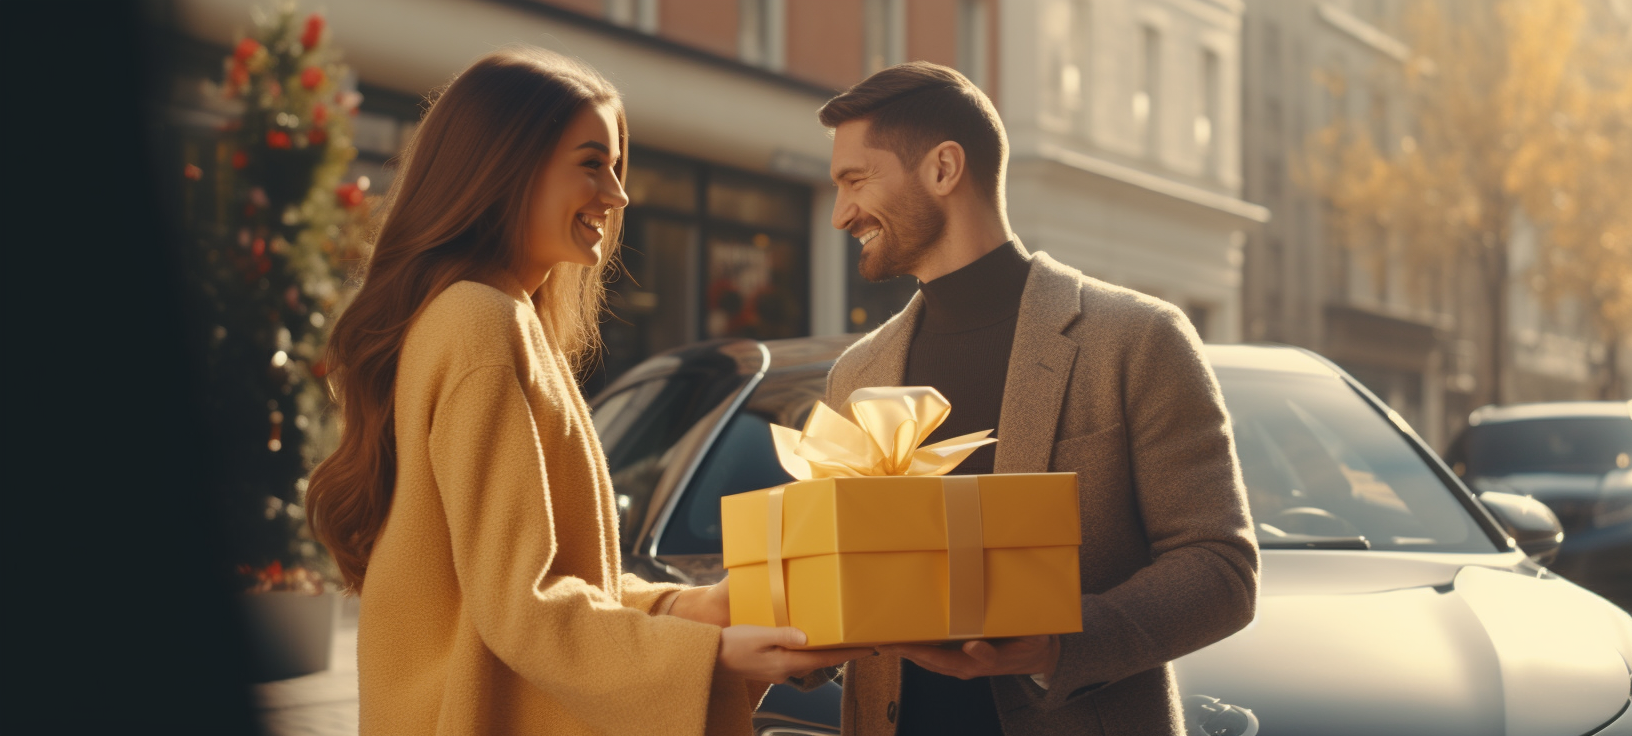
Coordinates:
276 229
291 612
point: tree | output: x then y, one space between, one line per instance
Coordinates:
271 273
1522 112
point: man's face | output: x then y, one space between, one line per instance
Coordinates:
883 204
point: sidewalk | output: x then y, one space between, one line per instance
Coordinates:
321 704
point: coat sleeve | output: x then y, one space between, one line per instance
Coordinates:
1202 583
644 595
614 667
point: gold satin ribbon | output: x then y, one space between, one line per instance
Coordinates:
965 557
773 557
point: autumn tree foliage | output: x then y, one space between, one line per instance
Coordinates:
1521 115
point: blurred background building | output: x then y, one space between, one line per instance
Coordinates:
1155 145
1128 171
1310 64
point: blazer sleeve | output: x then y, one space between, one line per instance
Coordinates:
1202 584
613 667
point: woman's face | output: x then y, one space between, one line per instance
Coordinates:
573 194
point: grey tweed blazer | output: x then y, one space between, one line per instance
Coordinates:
1111 384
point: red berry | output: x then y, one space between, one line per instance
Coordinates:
317 137
350 195
313 32
277 139
246 48
311 77
238 75
239 159
192 172
320 114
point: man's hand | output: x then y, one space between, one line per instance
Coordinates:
1026 655
710 605
761 654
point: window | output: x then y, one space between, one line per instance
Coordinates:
1206 125
972 41
708 252
1062 92
885 26
640 425
1198 314
1321 464
872 303
1145 102
640 15
1380 138
761 33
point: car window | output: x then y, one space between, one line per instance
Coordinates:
640 425
742 459
1321 463
1576 445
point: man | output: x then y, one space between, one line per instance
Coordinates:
1075 375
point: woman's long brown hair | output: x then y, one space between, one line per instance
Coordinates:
456 211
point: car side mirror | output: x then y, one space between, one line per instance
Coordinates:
1532 525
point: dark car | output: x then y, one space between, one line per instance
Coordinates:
1392 600
1574 457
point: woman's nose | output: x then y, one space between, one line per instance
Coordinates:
613 194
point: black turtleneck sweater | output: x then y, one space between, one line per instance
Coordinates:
962 349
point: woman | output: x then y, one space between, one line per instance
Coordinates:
469 488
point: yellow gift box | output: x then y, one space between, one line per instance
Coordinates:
877 545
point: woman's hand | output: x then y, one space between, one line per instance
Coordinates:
710 605
761 653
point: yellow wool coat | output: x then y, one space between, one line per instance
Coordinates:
493 601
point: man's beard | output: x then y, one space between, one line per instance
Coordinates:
916 224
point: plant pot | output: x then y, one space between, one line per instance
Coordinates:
290 634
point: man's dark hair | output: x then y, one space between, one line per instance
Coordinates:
916 106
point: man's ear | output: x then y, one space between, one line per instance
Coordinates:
943 168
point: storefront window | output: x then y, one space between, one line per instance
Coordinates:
870 304
709 252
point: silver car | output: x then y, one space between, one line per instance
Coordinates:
1393 600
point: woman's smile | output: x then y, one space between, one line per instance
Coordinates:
595 224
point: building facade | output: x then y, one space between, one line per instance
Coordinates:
1123 117
1125 127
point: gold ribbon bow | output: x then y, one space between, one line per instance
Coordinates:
888 426
878 432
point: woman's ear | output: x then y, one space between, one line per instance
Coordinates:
944 168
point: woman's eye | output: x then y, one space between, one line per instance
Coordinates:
594 164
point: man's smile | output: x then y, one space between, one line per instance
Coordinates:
869 235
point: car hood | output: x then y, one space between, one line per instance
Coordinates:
1542 485
1379 642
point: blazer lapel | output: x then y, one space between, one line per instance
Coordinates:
1039 367
882 361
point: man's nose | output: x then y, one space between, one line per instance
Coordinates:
844 211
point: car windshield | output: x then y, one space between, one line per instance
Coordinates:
1325 469
1575 445
639 427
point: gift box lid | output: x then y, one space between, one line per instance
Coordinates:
899 514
